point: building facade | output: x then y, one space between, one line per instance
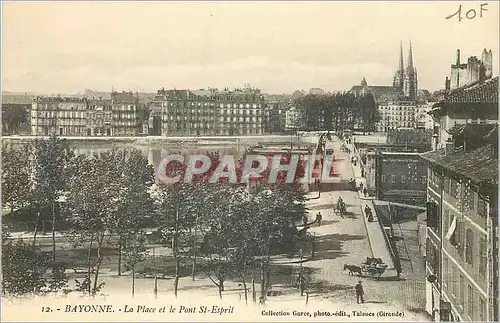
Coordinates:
274 113
68 116
126 114
423 120
463 74
292 119
396 176
396 114
475 103
59 116
185 113
462 226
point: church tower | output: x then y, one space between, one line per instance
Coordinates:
399 76
410 80
364 87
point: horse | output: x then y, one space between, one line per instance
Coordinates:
353 269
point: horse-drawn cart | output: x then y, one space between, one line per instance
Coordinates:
373 267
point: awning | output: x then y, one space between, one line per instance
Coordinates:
452 228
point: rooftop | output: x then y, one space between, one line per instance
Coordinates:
127 97
479 92
380 92
471 130
478 165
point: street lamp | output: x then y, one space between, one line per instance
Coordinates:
301 274
155 289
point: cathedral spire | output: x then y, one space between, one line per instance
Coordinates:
401 63
410 82
410 58
399 76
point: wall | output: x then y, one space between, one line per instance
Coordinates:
401 177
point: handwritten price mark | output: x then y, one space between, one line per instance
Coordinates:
470 14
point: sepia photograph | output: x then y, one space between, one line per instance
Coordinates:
249 161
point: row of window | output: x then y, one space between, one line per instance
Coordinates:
248 112
186 125
83 107
398 108
463 241
213 112
403 179
79 115
399 118
397 113
462 293
466 197
397 124
211 104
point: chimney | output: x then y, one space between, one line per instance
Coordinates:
447 84
448 148
458 56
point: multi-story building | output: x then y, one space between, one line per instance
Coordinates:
126 114
274 114
396 176
463 74
292 119
99 117
423 120
473 103
462 226
68 116
213 112
154 120
396 114
59 116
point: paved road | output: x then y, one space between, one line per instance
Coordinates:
345 241
340 240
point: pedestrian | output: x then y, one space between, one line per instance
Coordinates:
359 292
319 217
365 192
305 219
369 213
397 264
302 284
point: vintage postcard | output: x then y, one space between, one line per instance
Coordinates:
249 161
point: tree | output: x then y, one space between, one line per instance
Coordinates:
238 228
170 221
16 180
134 251
93 202
13 116
135 206
223 235
24 268
51 158
369 112
331 111
309 108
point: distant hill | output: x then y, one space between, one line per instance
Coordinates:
17 98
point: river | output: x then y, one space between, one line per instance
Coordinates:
154 148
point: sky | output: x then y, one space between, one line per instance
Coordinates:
278 47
